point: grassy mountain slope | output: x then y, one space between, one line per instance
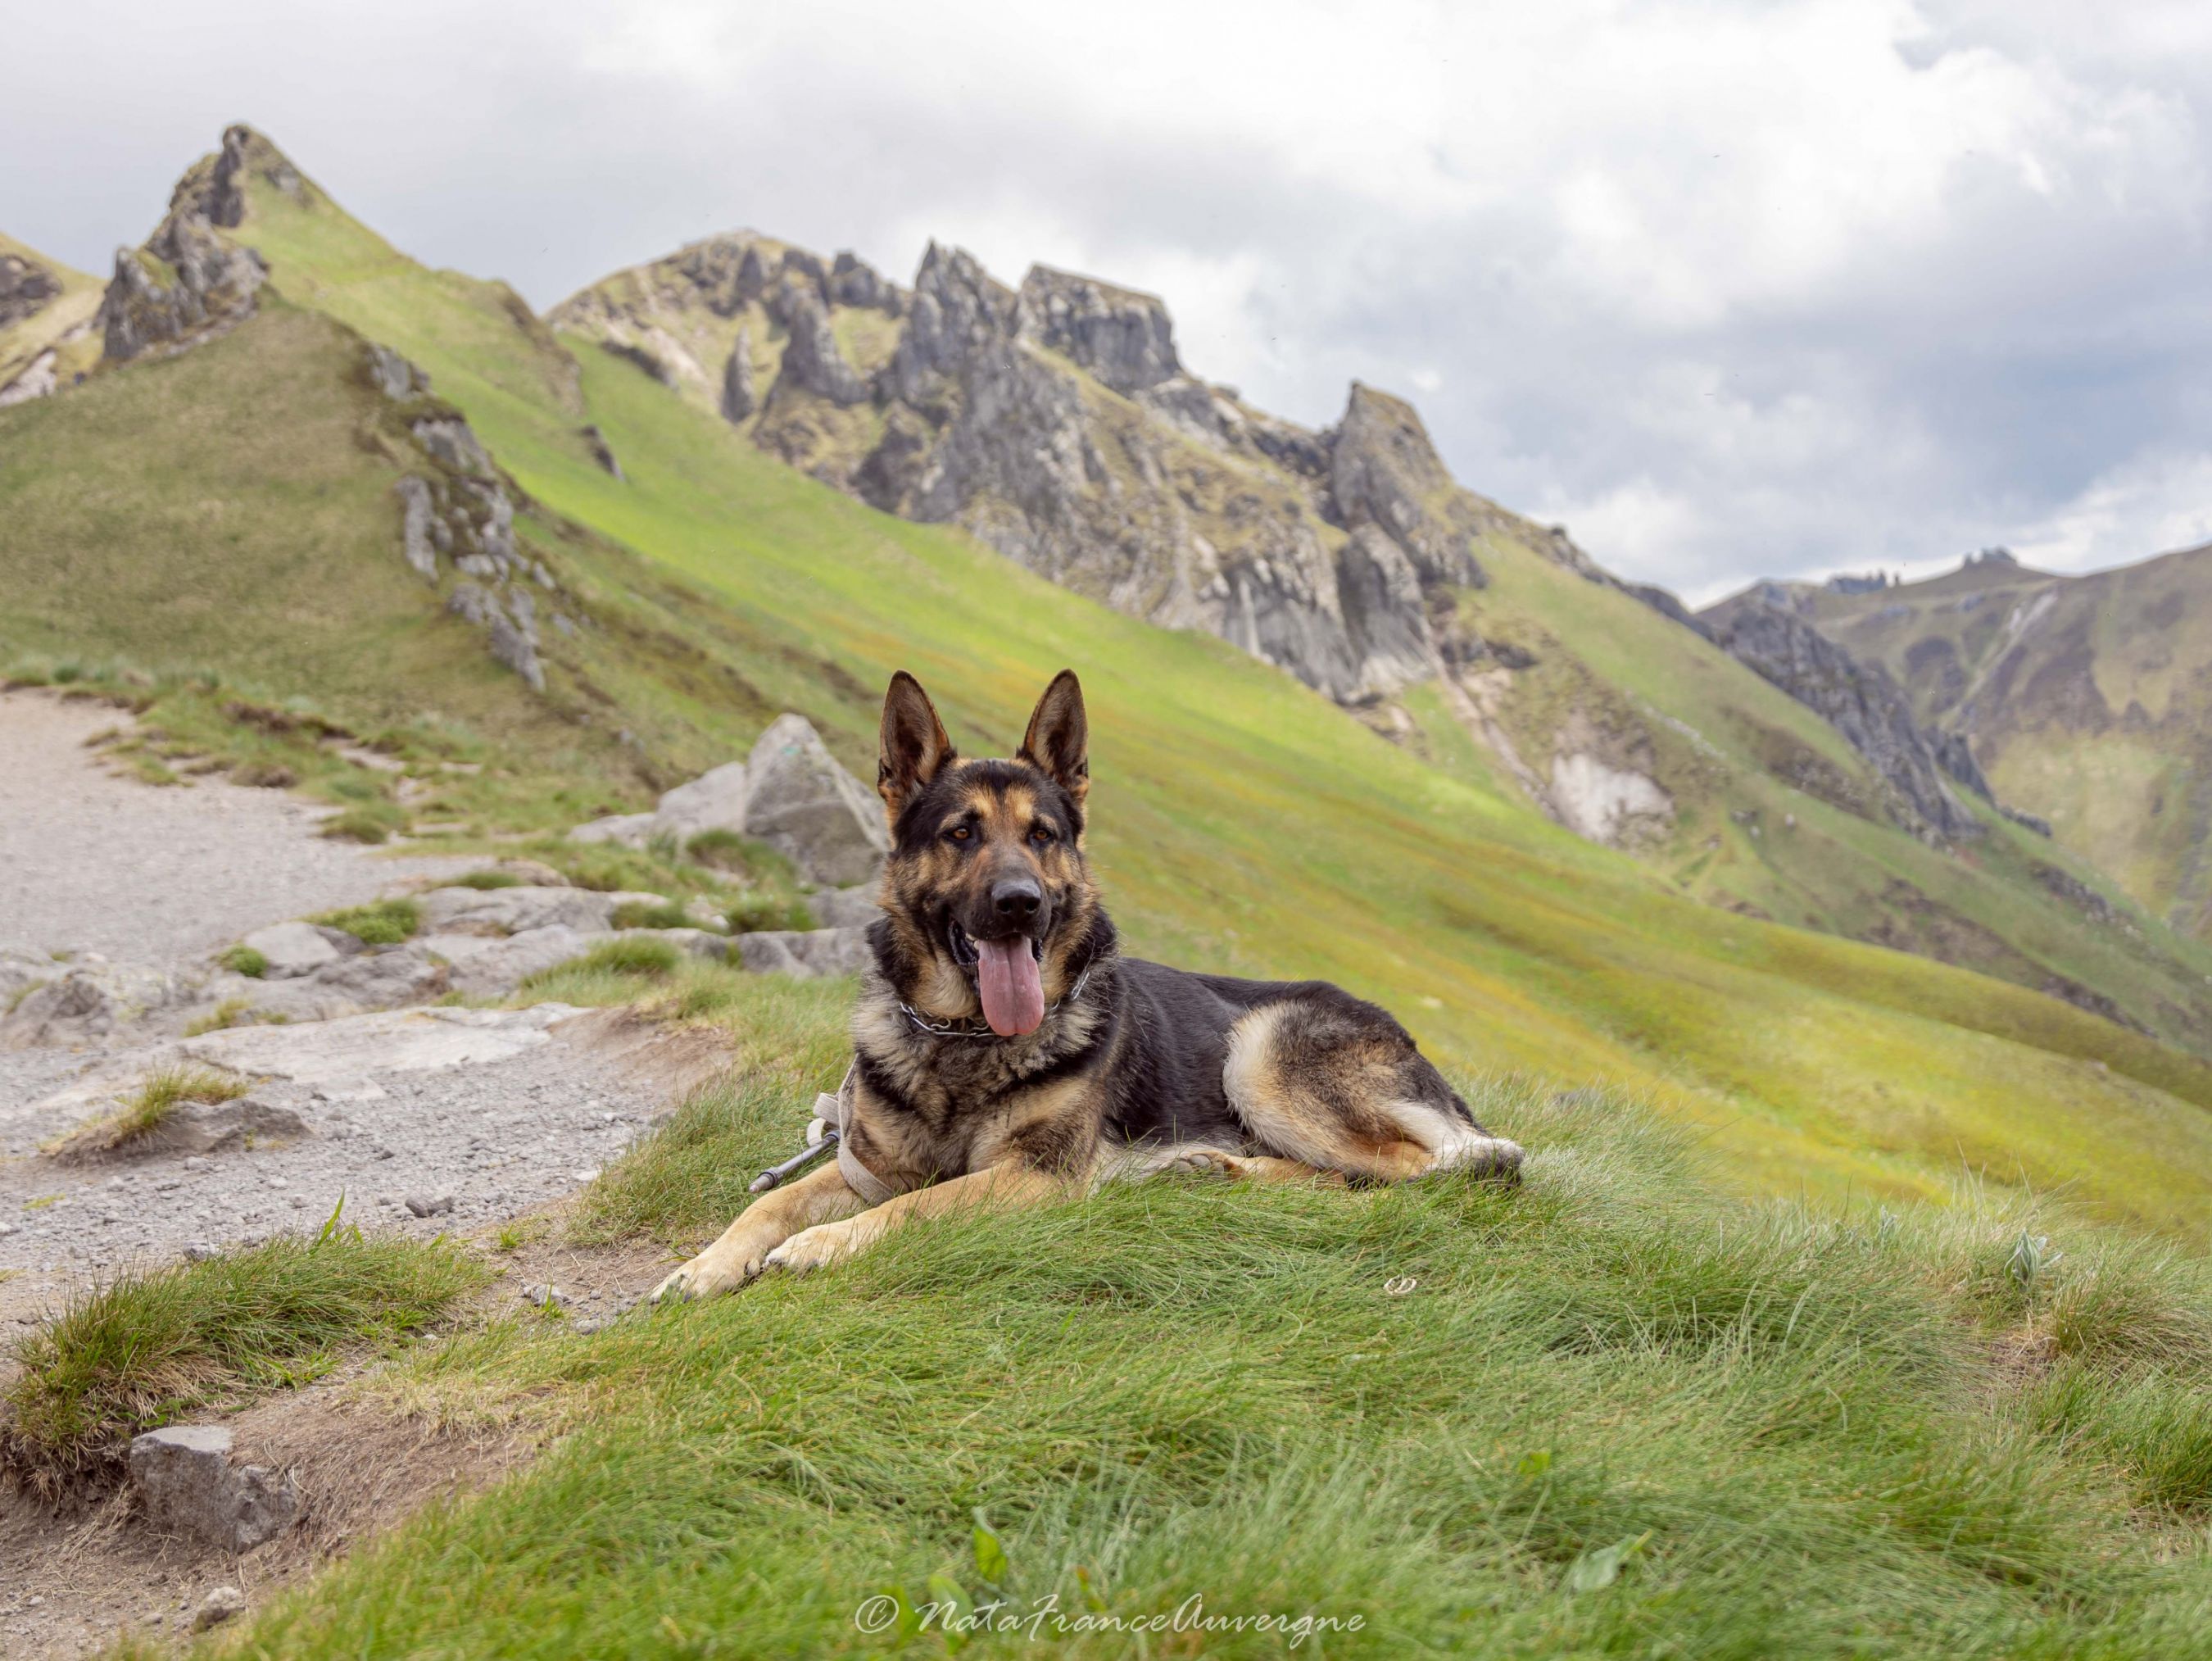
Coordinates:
53 312
1612 1414
2088 699
1630 729
1246 824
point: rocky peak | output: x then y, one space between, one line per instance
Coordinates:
957 308
1383 471
1124 339
852 282
190 281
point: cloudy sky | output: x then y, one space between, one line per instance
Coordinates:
1729 289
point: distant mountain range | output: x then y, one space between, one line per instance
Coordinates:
2085 700
1808 757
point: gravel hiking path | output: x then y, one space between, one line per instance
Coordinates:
493 1112
144 875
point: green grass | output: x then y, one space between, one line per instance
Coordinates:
148 1108
231 1011
637 914
1614 1413
726 850
358 825
488 879
624 961
244 960
380 922
148 1347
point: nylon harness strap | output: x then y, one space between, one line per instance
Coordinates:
836 1113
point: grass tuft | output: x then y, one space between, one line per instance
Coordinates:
147 1109
231 1011
380 922
147 1348
244 960
357 825
488 879
631 959
640 913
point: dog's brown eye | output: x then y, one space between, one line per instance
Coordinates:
960 833
1042 836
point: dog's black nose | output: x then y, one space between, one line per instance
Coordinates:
1017 899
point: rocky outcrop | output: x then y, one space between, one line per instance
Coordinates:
738 400
812 361
852 282
1955 756
1859 700
1668 605
509 620
25 289
40 378
189 282
1122 338
455 508
1383 471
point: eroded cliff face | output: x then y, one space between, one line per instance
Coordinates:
1057 422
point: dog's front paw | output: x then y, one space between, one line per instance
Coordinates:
816 1248
706 1275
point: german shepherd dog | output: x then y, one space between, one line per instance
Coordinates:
1007 1054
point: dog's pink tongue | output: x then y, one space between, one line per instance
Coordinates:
1013 992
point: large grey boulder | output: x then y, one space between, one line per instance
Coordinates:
187 1482
801 803
291 949
715 800
805 954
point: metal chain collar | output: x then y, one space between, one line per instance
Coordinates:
936 1029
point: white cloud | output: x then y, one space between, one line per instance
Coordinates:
1732 287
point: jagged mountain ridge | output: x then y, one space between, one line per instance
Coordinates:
1057 422
2088 699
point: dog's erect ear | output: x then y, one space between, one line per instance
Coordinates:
1058 739
912 748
